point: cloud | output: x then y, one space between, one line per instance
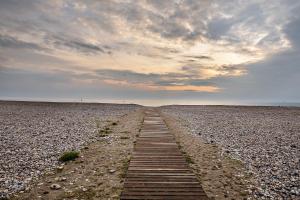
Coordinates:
199 57
86 24
173 30
76 45
274 79
191 88
292 30
215 47
11 42
219 27
206 72
168 81
193 82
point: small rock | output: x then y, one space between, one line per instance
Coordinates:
55 187
215 167
28 180
63 179
60 179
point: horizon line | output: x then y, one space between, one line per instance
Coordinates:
261 104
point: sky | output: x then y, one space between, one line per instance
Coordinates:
151 52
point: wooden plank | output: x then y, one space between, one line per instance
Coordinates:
163 197
163 193
157 169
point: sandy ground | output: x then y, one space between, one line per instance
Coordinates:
98 173
221 176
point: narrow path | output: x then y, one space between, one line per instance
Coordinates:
157 169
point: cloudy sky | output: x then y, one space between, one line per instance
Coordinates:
151 51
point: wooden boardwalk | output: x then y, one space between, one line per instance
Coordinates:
157 169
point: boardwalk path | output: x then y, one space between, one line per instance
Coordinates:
157 169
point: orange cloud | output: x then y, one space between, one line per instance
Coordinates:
191 88
152 87
128 84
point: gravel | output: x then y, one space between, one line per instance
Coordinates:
34 135
266 139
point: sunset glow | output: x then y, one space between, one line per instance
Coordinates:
173 46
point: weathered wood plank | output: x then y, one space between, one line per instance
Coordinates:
158 169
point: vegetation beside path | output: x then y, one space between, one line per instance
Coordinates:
98 171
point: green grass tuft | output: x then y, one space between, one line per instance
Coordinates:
124 168
70 155
189 159
104 132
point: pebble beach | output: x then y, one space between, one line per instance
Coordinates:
34 135
266 139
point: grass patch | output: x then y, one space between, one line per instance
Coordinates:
98 123
124 168
179 146
70 155
125 132
78 193
234 161
104 132
188 159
